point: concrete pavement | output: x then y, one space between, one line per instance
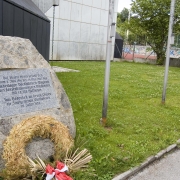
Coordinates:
168 168
61 69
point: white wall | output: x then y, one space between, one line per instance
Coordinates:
80 29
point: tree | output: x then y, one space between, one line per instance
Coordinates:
122 20
124 15
151 18
122 27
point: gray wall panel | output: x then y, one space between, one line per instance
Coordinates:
18 22
8 24
27 25
47 40
34 30
39 35
44 32
1 17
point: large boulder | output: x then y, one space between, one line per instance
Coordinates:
20 54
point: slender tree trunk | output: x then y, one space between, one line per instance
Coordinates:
160 58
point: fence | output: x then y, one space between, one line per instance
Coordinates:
131 51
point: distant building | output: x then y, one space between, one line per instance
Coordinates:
80 30
22 18
118 46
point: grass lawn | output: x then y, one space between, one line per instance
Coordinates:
138 125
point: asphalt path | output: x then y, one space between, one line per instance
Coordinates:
167 168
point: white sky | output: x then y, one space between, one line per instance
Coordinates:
123 4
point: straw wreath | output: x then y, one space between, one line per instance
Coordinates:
22 133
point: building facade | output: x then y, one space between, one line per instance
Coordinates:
22 18
80 29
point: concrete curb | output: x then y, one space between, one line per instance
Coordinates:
147 162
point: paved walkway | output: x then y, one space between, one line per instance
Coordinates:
165 165
61 69
168 168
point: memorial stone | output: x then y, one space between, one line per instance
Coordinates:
24 91
29 87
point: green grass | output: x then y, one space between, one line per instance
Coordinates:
138 125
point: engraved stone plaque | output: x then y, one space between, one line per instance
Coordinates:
23 91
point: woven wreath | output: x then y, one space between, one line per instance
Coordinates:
22 133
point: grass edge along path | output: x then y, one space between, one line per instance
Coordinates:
138 125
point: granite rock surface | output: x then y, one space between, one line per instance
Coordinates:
18 53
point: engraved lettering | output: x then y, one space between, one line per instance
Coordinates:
23 91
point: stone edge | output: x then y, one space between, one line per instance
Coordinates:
147 162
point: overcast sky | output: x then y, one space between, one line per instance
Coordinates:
123 4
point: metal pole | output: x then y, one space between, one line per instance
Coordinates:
133 51
168 50
108 59
53 32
